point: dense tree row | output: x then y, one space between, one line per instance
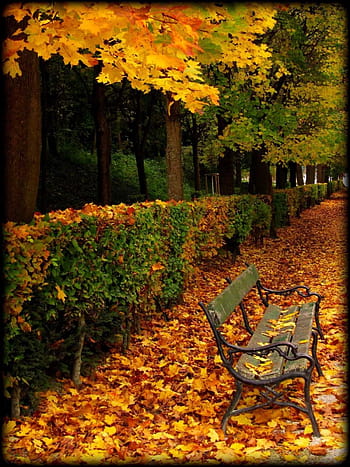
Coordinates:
243 87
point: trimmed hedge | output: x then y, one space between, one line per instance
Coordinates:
77 280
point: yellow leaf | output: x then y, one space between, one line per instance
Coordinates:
15 10
180 426
162 435
60 293
8 427
226 455
242 419
213 435
217 359
25 429
110 419
11 67
272 423
48 441
302 442
308 429
237 446
110 430
157 267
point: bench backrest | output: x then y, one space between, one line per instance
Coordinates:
224 304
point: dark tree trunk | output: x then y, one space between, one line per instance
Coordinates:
226 163
141 125
21 138
42 195
195 156
310 174
76 370
281 176
260 180
226 172
103 141
300 178
238 171
15 400
322 173
292 174
173 148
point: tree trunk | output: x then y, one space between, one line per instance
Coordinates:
226 172
76 370
21 139
300 178
42 194
226 163
292 174
281 176
322 173
139 140
310 174
173 148
238 171
16 400
195 156
260 180
103 141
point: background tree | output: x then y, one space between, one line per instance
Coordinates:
283 112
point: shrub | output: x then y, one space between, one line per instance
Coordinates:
76 279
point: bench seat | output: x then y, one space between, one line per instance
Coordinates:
292 325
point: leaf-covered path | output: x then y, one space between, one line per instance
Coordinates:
163 401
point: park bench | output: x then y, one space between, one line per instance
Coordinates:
283 345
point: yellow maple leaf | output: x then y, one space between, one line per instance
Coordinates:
227 455
11 67
110 430
212 434
242 419
237 446
110 419
60 293
16 10
302 442
9 426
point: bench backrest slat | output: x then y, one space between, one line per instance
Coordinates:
224 304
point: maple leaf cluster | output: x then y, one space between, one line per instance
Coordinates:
163 400
152 45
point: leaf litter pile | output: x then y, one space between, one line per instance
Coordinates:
163 400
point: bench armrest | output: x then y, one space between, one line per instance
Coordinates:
301 290
291 353
286 350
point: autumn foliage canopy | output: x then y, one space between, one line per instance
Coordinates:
150 45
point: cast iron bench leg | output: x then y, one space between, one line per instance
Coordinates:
308 404
231 408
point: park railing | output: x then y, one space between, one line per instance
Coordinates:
77 280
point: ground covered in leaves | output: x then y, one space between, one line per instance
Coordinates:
164 399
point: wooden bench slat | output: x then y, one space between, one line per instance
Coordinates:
257 339
302 335
223 305
287 318
298 332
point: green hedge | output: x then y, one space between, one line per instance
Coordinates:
77 280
